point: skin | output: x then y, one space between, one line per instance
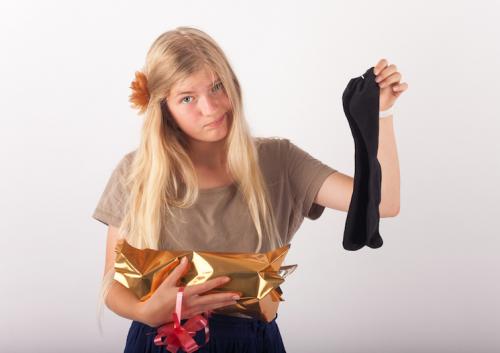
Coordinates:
192 112
158 309
205 102
336 191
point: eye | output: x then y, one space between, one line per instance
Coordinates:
219 84
217 87
182 101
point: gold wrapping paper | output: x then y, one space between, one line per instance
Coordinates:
256 275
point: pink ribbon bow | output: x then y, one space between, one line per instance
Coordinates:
181 336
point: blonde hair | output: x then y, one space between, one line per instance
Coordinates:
162 174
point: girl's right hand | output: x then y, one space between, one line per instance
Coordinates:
158 309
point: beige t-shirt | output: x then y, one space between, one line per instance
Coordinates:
219 220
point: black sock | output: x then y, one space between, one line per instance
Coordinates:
361 106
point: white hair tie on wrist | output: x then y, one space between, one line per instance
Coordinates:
385 113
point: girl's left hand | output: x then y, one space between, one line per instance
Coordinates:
388 80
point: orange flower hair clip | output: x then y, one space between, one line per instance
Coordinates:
140 93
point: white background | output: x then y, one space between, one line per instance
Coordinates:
66 67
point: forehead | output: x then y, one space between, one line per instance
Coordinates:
198 81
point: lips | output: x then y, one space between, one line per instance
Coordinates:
216 121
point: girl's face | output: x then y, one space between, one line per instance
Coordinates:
201 107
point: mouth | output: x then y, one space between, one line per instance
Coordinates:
217 122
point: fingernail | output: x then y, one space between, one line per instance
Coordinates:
235 297
183 260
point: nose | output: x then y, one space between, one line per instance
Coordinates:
209 106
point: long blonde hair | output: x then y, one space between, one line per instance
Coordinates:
162 174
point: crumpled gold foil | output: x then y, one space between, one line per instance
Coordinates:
256 275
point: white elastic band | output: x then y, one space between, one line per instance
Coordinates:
385 113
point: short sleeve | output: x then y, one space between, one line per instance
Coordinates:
305 174
111 204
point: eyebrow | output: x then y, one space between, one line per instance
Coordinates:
210 85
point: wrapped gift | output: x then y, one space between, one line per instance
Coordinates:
257 276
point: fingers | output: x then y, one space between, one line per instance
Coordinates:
181 269
176 274
380 66
400 87
213 298
389 70
395 77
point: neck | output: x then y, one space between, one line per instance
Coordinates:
211 155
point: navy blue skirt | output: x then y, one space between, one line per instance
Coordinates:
228 334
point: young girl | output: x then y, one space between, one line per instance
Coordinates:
200 181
